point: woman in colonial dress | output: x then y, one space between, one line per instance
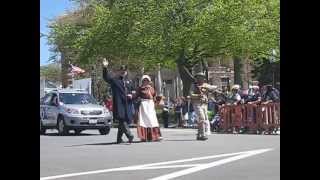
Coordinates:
147 125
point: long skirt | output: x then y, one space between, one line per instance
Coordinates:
148 125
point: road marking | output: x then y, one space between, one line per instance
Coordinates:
209 165
178 130
194 167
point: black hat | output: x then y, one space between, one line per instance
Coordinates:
123 68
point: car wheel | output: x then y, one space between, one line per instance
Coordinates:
104 131
77 131
42 129
62 129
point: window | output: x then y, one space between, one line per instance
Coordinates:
225 81
54 99
50 85
77 98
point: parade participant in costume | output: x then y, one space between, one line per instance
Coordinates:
122 100
148 125
199 98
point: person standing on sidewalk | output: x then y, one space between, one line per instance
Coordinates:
122 100
108 102
234 98
177 111
254 95
270 95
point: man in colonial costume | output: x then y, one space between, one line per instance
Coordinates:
122 100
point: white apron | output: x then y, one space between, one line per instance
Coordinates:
147 114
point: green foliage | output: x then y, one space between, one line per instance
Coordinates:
147 32
265 71
51 72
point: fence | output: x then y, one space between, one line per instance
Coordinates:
250 118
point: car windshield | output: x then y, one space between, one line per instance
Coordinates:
77 98
50 85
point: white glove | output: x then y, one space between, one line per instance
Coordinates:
105 62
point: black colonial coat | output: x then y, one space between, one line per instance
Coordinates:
123 109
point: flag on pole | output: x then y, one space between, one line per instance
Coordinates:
76 70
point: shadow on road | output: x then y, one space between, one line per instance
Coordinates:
180 140
70 134
105 144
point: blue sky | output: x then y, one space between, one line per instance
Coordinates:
49 9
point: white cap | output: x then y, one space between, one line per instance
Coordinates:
236 86
146 77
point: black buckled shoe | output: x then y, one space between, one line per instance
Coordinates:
131 139
120 141
203 138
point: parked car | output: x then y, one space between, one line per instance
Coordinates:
70 109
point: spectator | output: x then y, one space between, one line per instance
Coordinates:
178 112
244 96
270 95
165 116
220 97
254 96
235 97
108 102
187 110
225 90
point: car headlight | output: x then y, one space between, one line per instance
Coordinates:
106 111
72 111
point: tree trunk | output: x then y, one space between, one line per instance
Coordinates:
185 75
185 81
64 71
238 71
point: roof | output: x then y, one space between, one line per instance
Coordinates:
70 91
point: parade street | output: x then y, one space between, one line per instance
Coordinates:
91 156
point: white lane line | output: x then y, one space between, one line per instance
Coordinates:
147 166
179 130
166 167
209 165
131 168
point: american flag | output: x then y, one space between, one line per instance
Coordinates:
76 70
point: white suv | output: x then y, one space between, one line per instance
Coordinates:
73 110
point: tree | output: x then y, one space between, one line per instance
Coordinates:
266 72
51 72
178 34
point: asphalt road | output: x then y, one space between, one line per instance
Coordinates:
91 156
